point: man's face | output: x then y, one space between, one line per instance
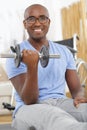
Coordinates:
37 22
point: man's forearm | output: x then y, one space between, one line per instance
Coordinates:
30 88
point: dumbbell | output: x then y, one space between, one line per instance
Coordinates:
17 55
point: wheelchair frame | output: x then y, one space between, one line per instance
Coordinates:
81 65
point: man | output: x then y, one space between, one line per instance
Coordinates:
40 92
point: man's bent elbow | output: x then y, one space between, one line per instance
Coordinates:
30 100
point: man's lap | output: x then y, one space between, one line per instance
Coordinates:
80 112
48 113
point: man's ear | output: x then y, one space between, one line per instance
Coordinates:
49 22
24 23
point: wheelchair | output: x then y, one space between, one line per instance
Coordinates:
81 65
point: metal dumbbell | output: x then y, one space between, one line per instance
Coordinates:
17 55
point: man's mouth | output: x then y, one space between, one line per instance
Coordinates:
37 30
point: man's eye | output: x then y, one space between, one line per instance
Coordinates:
31 19
42 18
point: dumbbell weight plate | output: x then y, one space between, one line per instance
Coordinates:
18 57
44 59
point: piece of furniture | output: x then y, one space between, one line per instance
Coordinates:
6 89
5 97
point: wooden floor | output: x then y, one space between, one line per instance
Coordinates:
5 119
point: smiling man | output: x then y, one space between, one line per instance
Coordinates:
37 24
41 102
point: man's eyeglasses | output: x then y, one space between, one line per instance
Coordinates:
42 19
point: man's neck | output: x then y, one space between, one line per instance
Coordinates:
37 44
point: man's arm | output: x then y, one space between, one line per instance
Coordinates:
27 84
76 90
73 82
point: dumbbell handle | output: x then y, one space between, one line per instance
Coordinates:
13 55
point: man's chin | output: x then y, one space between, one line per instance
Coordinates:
37 38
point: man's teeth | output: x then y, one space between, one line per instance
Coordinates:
37 30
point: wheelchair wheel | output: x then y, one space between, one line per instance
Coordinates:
82 71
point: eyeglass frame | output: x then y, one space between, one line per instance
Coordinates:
35 19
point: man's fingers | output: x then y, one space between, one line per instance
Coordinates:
77 101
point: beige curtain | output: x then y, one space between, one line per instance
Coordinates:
74 21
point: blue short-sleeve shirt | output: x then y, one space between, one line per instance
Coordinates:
51 79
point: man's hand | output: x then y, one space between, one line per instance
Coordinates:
30 58
79 100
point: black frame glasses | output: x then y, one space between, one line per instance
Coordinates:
42 19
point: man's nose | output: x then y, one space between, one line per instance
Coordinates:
37 22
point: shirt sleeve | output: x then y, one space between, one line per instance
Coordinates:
70 60
12 70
